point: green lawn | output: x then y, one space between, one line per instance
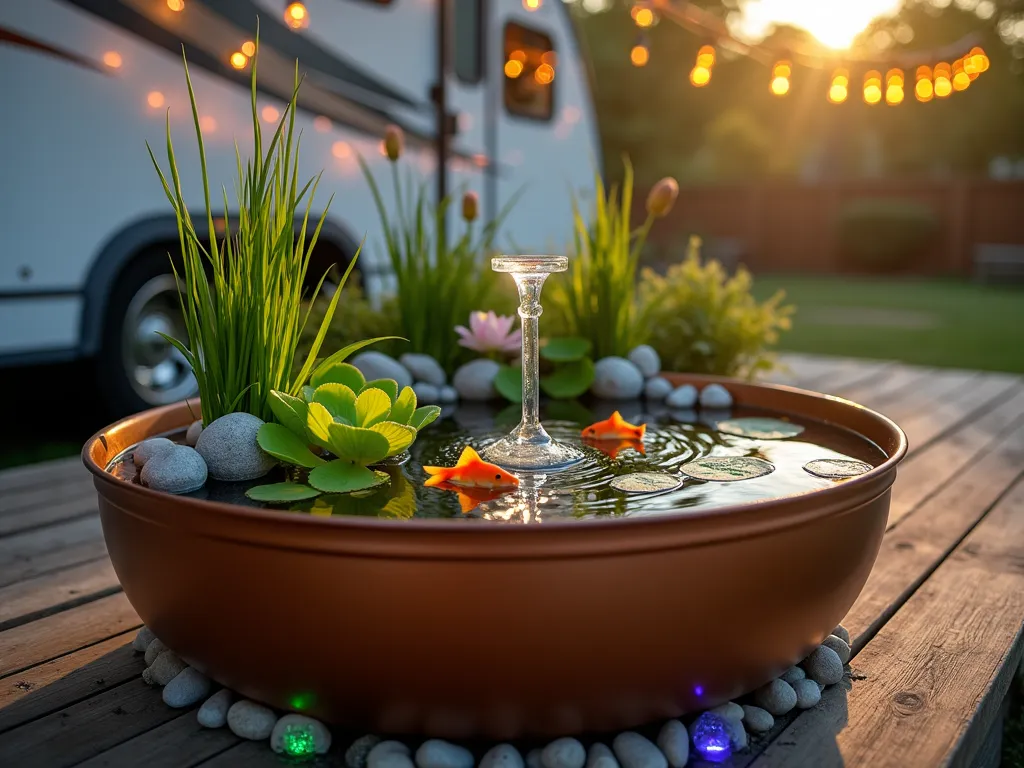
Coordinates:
925 322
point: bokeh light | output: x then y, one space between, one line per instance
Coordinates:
700 76
176 5
706 57
322 124
112 59
270 114
780 86
545 74
239 60
341 150
531 5
639 55
249 48
644 17
513 68
837 93
924 90
155 99
296 16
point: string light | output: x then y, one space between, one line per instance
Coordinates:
894 87
155 99
270 114
516 64
923 89
644 17
531 5
544 74
239 60
700 75
839 89
249 48
961 80
296 15
942 86
979 59
872 87
780 78
640 54
176 5
112 59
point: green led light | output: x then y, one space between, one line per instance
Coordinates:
301 701
298 741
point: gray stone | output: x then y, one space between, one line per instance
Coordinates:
566 752
249 720
475 379
292 722
426 394
674 742
600 756
188 687
842 633
778 697
615 378
715 396
684 397
448 394
153 650
728 711
164 668
377 365
823 666
635 751
646 359
757 720
195 429
214 712
143 639
533 759
657 389
793 674
424 368
808 694
840 646
229 446
389 754
180 470
356 754
147 449
737 734
502 756
437 753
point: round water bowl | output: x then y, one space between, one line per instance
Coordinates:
462 629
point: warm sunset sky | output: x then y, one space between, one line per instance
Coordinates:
834 22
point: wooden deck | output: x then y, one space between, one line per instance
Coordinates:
936 632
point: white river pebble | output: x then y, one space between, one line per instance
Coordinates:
808 694
190 686
389 754
564 753
840 646
214 712
636 751
359 750
674 742
502 756
437 753
143 639
601 756
249 720
823 666
757 720
778 697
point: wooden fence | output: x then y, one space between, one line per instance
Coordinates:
792 227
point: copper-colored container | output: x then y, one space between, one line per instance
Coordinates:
456 630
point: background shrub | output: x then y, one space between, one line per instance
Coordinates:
880 234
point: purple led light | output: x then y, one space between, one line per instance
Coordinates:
711 737
699 690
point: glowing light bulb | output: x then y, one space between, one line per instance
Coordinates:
893 95
894 77
706 57
531 5
239 60
837 93
782 69
780 85
961 80
296 16
155 99
943 87
270 114
544 74
644 17
298 741
872 93
700 76
711 737
924 90
341 150
249 48
513 68
841 77
518 55
639 55
112 59
176 5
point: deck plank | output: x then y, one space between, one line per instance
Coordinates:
52 592
46 493
33 553
44 472
937 671
26 520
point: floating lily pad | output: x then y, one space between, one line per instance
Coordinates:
760 428
836 469
569 380
372 406
340 476
283 444
565 349
424 415
509 383
282 493
726 469
646 482
358 444
404 407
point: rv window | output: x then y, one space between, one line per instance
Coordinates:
468 36
529 69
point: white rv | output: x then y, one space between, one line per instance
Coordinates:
495 93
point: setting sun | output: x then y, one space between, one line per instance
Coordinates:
833 24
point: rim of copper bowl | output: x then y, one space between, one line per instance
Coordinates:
588 538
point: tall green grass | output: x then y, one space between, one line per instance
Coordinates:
242 296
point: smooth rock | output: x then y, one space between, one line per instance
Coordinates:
437 753
503 756
249 720
475 379
142 640
737 734
778 697
657 389
823 666
793 674
290 723
533 759
600 756
180 470
389 754
674 742
188 687
195 429
356 754
447 394
840 646
615 378
426 394
147 449
424 368
230 449
153 650
646 359
757 720
635 751
377 365
683 397
214 712
728 711
808 694
566 752
842 633
715 396
165 668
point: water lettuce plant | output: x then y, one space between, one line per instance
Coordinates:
242 296
359 423
567 371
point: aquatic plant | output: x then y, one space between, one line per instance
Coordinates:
490 333
359 423
596 298
242 296
567 371
438 283
701 320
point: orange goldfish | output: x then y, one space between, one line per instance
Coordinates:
471 498
612 447
471 471
614 428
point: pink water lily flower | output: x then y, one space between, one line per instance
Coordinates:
489 332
